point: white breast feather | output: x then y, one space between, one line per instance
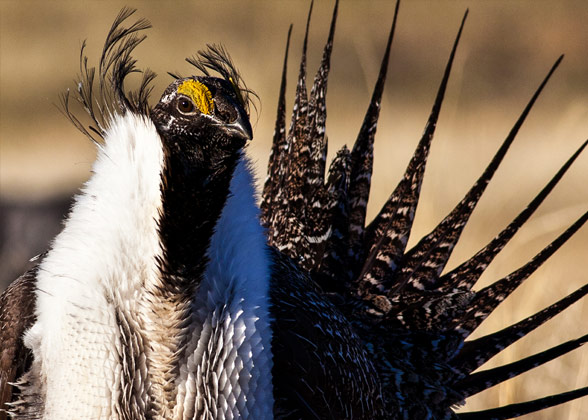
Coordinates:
99 260
229 357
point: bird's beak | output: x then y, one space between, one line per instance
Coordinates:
240 127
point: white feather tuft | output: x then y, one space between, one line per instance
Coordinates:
106 250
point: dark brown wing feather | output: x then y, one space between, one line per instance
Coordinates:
17 306
321 368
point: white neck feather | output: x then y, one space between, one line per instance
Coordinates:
106 250
233 312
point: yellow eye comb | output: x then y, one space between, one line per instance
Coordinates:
199 94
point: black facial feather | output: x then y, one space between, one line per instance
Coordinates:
101 102
213 131
201 148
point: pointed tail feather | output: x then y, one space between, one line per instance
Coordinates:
485 379
489 298
477 352
362 157
424 263
317 115
466 275
298 125
275 170
317 228
285 224
387 235
520 409
299 111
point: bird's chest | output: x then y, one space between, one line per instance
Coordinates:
226 368
80 362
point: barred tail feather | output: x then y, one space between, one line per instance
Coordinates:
520 409
423 264
468 273
477 352
387 235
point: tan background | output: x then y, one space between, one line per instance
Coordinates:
506 49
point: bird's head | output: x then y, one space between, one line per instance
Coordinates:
203 118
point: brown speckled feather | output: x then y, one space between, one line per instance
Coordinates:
412 320
17 305
466 274
423 264
388 234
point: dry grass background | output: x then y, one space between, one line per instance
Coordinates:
506 49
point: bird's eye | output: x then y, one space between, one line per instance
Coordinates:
185 105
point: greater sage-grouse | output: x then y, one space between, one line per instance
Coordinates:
170 294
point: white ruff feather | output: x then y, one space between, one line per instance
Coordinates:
97 263
229 359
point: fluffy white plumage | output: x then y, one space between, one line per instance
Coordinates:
105 260
101 258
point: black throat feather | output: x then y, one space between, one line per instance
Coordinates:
194 189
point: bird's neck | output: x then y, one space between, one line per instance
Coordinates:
194 190
213 298
193 197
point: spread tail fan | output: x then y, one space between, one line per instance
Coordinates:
414 319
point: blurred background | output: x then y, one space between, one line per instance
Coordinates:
506 49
